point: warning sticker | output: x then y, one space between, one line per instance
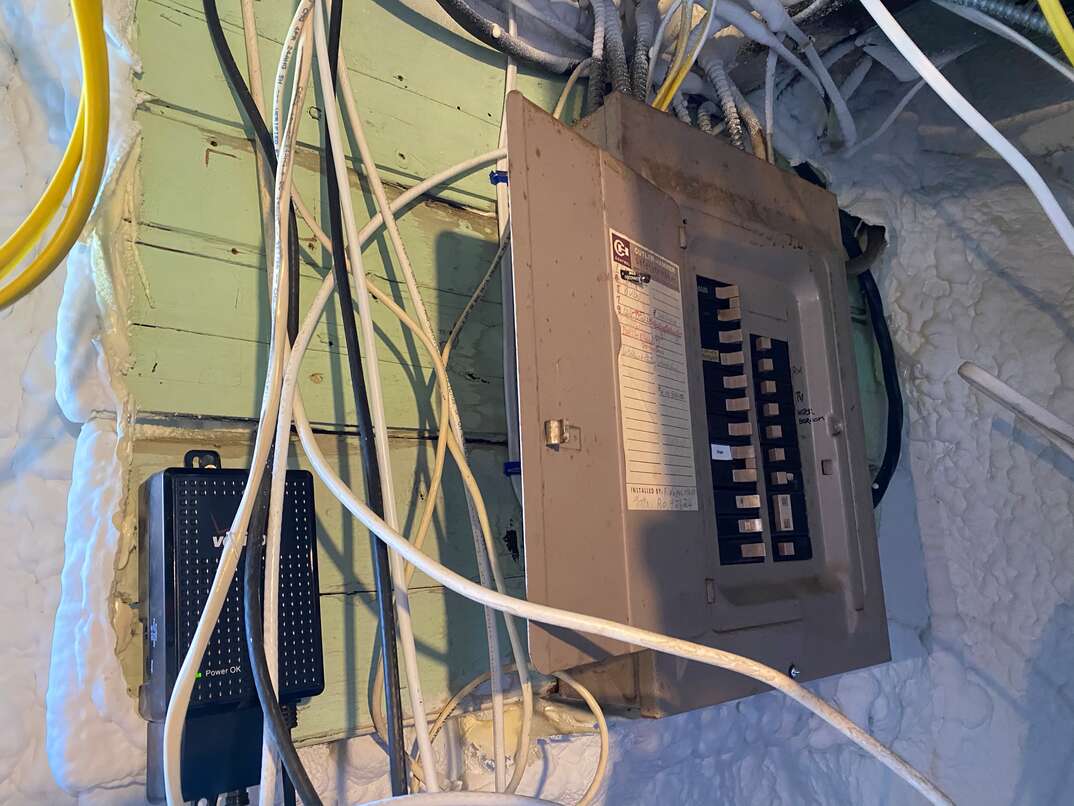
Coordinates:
657 435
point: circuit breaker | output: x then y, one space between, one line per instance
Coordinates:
691 439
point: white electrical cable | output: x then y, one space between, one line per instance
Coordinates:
657 47
856 76
770 104
270 593
594 708
810 11
755 29
463 799
580 69
367 232
264 182
1056 430
487 559
779 22
889 121
839 103
484 550
602 728
1008 33
404 622
551 21
565 619
236 536
974 119
257 92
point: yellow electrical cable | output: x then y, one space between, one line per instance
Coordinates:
685 20
33 227
1060 25
674 80
89 27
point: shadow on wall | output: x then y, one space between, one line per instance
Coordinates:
902 564
1048 705
1048 750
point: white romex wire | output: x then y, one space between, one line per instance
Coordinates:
974 119
484 560
236 536
271 609
376 402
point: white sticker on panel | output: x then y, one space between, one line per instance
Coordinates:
653 391
720 453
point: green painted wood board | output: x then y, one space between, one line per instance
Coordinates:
431 95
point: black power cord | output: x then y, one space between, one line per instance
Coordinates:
889 369
264 141
275 725
393 709
859 261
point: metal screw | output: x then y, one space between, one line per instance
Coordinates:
794 672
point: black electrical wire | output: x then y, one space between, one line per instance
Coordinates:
393 709
264 140
893 443
288 791
290 715
276 728
275 725
859 261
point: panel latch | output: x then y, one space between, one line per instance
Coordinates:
562 434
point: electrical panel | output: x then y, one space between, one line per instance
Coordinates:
691 439
185 516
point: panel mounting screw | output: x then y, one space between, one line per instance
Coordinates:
497 177
794 672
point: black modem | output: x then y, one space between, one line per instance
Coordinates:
184 519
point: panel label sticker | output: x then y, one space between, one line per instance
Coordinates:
720 453
654 396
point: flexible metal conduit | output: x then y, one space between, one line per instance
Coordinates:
618 71
645 17
1022 16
